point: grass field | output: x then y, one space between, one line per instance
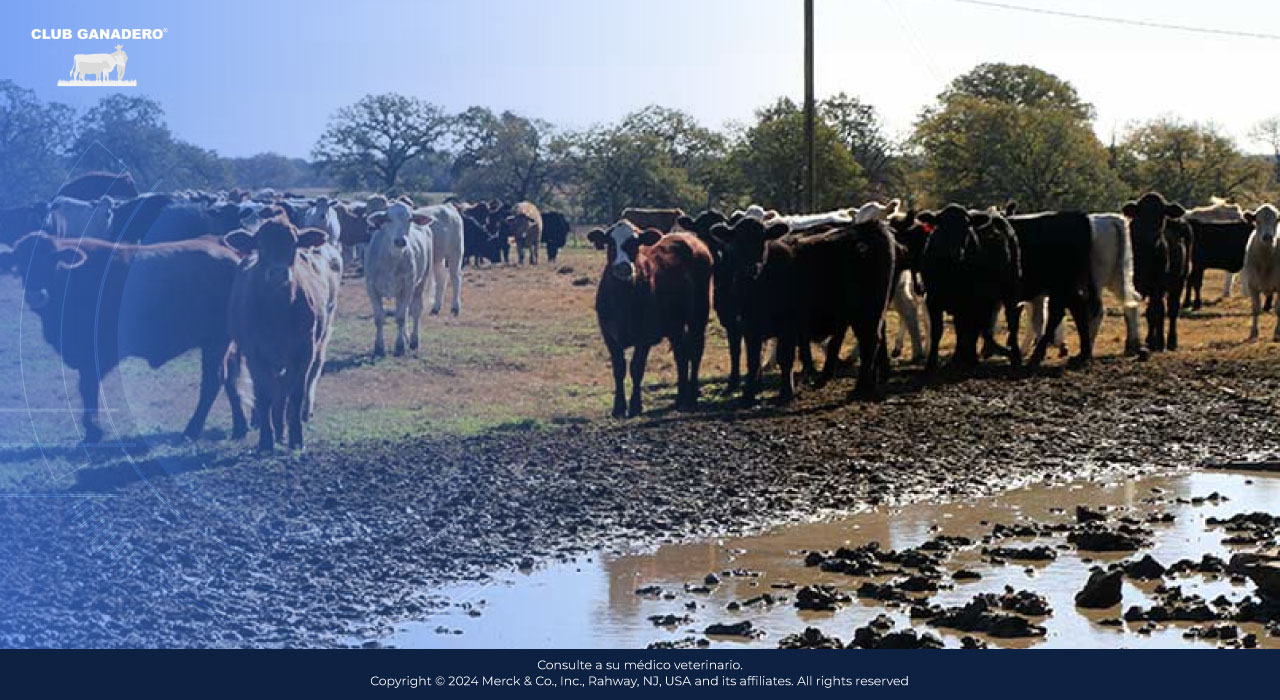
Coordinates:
524 354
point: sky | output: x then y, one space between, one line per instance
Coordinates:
246 77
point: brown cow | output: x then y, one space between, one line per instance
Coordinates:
524 224
279 318
653 287
661 219
93 186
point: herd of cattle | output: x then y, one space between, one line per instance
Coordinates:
252 280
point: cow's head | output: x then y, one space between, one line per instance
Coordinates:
911 234
623 241
745 242
38 258
1148 215
277 244
875 211
394 223
1264 223
701 227
953 232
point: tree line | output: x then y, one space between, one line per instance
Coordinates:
998 132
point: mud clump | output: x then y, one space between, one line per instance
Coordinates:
1095 537
1037 553
980 615
810 638
685 643
870 638
736 629
1144 569
820 598
1102 590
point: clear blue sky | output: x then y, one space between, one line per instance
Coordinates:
244 77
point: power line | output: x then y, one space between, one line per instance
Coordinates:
1120 20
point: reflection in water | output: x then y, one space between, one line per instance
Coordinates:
592 603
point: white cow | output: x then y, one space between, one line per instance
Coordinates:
1262 264
397 265
1111 262
446 254
323 216
99 64
74 218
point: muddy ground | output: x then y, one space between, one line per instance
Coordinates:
343 541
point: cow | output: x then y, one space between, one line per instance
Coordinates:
1217 246
398 265
908 292
478 243
524 225
280 316
555 232
807 289
100 302
1262 264
663 220
97 184
970 268
654 286
132 218
1162 243
99 64
448 246
16 222
1217 211
1056 254
323 216
73 218
722 288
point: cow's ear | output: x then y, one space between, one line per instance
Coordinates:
685 222
423 220
1130 209
312 238
777 230
241 240
737 216
1250 217
979 220
927 217
722 234
1173 210
377 220
598 239
650 236
1010 208
70 258
894 205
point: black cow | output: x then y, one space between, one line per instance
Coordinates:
17 222
722 289
133 218
1055 249
90 187
100 302
1217 246
806 289
478 242
555 232
1162 245
971 268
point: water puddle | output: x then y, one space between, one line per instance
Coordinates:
593 602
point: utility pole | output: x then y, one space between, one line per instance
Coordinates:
809 108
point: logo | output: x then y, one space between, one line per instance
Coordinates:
94 70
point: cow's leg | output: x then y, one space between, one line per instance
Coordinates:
1196 284
967 331
990 347
697 344
231 382
1226 286
1083 310
379 319
638 360
618 361
1174 308
786 352
455 279
832 358
262 404
212 369
909 320
870 339
680 349
1271 299
935 337
752 383
735 358
402 316
438 276
1275 335
1013 318
1056 312
533 253
1155 322
88 385
297 379
1256 302
415 315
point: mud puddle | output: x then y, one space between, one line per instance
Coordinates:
614 602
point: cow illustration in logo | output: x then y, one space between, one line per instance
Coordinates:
99 65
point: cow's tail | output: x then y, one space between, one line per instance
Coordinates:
1128 295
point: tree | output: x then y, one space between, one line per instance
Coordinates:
1188 162
1267 132
508 156
369 143
618 168
34 136
770 157
858 126
1001 132
128 132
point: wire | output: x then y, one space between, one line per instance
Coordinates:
1120 20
